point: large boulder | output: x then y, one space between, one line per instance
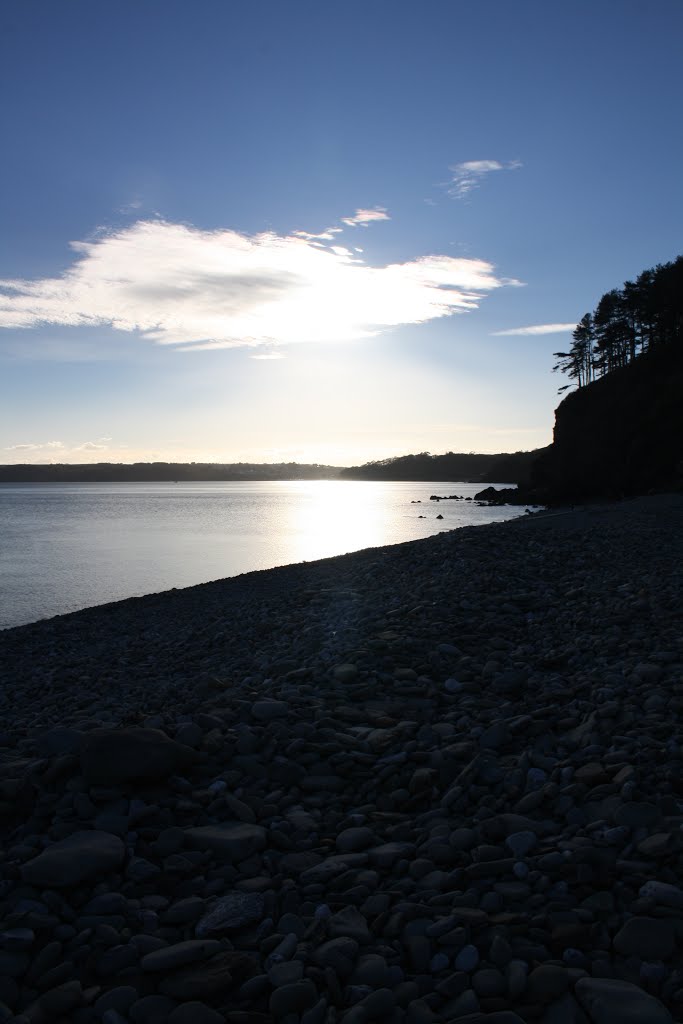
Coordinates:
76 859
110 757
234 841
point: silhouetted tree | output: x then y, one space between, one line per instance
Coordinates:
644 314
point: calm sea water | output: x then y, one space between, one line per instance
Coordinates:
69 546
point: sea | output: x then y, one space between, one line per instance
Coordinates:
64 547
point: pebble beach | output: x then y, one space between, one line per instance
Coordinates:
435 782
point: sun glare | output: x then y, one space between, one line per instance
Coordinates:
334 510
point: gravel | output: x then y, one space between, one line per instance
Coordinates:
432 782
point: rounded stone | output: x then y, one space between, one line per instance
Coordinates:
195 1013
353 840
79 857
467 959
650 938
293 998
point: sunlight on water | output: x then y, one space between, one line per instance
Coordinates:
65 547
335 515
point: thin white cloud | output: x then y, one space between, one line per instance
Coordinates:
535 329
327 235
30 446
178 285
267 355
90 446
468 176
365 217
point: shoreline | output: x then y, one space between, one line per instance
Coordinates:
580 513
206 541
406 784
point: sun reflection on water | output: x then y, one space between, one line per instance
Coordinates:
336 515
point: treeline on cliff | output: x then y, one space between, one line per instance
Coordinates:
150 472
479 468
643 315
620 432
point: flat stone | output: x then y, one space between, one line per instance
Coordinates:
351 922
208 978
607 1001
387 854
293 998
521 843
656 845
500 826
636 814
61 741
181 953
547 982
235 841
79 857
231 912
110 757
120 999
195 1013
345 673
564 1010
269 710
467 959
664 893
185 911
650 938
151 1009
351 840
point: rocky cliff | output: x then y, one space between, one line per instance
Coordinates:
621 435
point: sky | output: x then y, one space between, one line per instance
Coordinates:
323 232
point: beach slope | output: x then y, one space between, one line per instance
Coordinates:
432 782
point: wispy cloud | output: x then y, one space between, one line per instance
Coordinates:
365 217
467 176
326 236
30 446
267 355
53 448
178 285
535 329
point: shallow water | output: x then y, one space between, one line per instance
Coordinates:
69 546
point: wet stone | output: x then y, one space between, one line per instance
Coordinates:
231 912
110 757
607 1001
77 858
293 998
195 1012
647 937
234 841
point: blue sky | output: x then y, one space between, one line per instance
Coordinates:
309 231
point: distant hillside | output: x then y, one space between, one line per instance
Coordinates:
620 435
504 468
109 472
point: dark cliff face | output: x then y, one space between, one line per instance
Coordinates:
621 435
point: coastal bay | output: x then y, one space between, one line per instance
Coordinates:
435 781
68 546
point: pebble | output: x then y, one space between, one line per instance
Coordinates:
607 1000
417 784
231 912
75 859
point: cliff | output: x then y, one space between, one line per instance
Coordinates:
620 435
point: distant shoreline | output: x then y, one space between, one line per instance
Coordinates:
468 467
